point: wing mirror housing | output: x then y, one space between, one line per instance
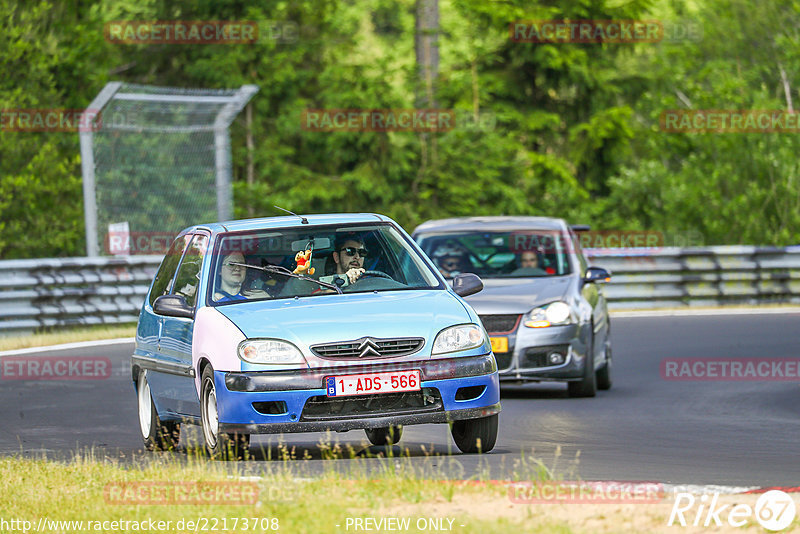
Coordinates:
597 275
173 306
467 284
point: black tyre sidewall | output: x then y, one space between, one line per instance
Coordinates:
467 433
163 436
604 378
228 446
587 387
381 436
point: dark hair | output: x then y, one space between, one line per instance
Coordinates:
344 238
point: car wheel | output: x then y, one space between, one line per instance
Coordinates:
387 435
157 435
475 435
218 444
587 386
604 373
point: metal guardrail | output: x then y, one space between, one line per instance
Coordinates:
73 291
712 276
88 291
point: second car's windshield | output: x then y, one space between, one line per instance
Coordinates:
303 261
524 253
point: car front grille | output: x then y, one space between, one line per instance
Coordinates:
497 324
369 347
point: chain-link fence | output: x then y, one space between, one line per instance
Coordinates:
156 160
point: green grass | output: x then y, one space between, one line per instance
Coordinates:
283 494
79 490
71 335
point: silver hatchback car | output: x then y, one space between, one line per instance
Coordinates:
542 304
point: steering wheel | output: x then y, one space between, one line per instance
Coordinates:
376 274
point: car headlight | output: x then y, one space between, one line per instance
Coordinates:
455 338
269 351
553 314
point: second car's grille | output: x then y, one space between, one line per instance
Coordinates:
370 347
503 359
499 323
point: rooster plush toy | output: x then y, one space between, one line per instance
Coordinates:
303 259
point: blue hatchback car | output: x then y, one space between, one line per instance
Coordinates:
315 323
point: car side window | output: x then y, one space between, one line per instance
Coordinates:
162 283
188 277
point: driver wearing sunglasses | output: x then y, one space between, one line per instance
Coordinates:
349 257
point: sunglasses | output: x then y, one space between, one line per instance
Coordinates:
351 251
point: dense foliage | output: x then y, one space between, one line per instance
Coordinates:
569 130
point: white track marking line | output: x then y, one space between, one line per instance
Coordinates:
690 312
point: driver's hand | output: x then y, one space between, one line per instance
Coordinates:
353 274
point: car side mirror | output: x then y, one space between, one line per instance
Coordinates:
173 306
467 284
597 274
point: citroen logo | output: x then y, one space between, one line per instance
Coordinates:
367 347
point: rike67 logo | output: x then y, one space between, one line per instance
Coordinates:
774 510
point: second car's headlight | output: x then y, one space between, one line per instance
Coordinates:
269 351
455 338
555 313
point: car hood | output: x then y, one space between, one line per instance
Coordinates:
327 318
517 295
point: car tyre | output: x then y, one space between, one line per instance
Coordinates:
587 386
475 435
604 373
156 434
218 444
387 435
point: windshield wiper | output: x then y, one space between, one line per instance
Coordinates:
276 269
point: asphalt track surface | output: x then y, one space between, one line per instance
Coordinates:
645 428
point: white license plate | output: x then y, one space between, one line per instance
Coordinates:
369 384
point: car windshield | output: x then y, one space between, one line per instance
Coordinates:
515 254
303 261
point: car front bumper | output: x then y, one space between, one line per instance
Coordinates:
530 348
296 401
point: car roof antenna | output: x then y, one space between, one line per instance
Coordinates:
303 220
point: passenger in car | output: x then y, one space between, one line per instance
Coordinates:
529 265
451 261
528 260
231 277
